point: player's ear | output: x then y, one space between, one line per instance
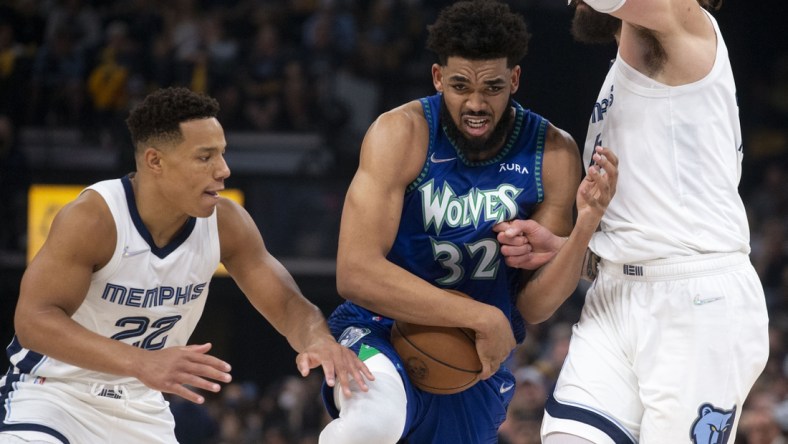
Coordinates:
437 77
515 78
152 158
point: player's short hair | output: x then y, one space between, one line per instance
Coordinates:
157 119
479 30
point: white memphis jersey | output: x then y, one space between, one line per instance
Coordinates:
680 153
146 296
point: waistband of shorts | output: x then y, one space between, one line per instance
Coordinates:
678 267
107 390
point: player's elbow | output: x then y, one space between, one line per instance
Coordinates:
350 276
535 311
533 317
25 329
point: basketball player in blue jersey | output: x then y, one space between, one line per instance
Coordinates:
673 333
107 306
435 179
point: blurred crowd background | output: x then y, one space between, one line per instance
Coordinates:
298 82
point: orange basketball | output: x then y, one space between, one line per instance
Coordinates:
441 360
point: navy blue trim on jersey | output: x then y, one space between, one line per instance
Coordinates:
162 252
10 379
579 414
29 362
29 427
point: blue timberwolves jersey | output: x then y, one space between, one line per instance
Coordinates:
445 234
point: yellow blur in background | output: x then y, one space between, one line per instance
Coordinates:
44 201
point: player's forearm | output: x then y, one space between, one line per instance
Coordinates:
387 289
53 333
306 325
555 281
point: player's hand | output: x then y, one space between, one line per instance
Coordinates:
526 244
172 369
495 342
597 189
337 361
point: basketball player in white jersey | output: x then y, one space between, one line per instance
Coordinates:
107 306
674 329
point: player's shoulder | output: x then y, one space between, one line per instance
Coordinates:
406 118
83 230
559 139
88 211
230 213
233 221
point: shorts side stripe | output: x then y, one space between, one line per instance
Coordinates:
34 428
579 414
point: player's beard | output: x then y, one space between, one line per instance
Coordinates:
590 26
475 148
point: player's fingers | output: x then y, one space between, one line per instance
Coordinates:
501 227
212 362
199 348
207 366
331 375
608 155
204 377
494 366
517 240
303 364
359 371
187 394
344 381
365 370
516 250
486 370
608 162
350 367
510 229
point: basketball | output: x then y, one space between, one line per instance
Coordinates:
440 360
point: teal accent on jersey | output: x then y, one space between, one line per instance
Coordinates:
539 157
425 104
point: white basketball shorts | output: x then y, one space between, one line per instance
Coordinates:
69 412
664 352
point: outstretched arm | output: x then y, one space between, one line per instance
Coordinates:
557 278
274 293
671 41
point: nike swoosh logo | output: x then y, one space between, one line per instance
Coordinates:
127 253
699 301
434 159
505 388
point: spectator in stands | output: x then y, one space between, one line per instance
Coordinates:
58 80
14 181
263 78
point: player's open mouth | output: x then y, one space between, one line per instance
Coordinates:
476 126
212 193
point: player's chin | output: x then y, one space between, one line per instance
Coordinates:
204 210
